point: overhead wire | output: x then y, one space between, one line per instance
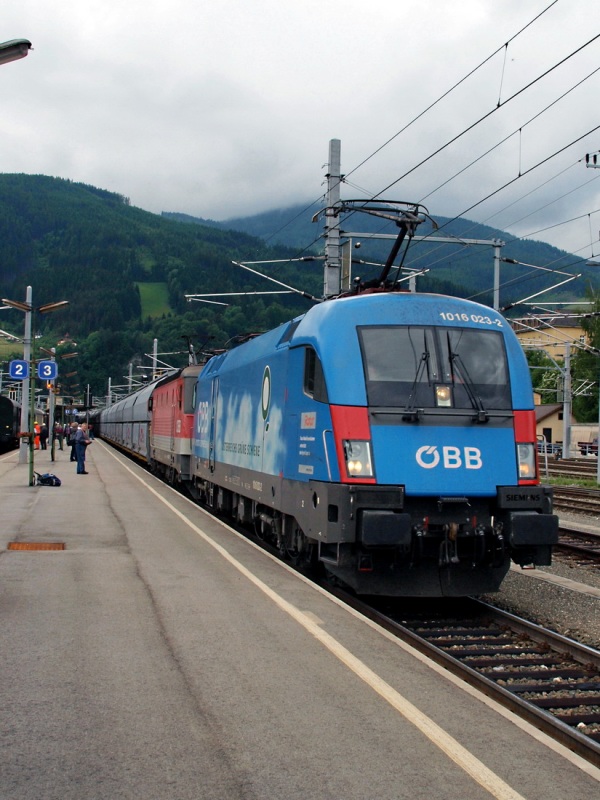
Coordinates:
415 119
518 130
489 114
506 228
532 191
521 174
500 104
441 246
547 205
486 116
448 92
479 158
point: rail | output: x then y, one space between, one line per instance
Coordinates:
549 679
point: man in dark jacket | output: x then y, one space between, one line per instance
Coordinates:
82 440
44 436
71 433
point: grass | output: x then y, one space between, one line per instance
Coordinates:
155 299
562 480
8 350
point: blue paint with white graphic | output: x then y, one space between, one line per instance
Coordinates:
449 461
18 369
47 370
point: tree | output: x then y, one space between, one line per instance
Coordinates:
544 375
586 364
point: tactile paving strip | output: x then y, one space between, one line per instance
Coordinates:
36 545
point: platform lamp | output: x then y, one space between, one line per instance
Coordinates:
13 50
29 383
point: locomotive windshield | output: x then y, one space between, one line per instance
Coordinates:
428 367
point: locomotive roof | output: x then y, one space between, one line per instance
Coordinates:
389 308
192 370
330 328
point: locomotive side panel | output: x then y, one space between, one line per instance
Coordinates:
239 431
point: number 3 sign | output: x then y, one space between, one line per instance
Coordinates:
47 370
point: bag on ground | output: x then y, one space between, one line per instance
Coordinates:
47 479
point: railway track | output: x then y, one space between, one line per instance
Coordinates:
579 545
575 498
570 467
544 677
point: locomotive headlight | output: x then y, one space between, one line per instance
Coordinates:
358 458
443 396
526 460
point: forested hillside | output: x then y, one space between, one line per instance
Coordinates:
74 242
125 272
455 268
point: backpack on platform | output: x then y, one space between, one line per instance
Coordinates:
47 479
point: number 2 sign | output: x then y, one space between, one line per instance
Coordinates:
18 369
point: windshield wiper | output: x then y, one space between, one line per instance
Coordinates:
458 365
410 412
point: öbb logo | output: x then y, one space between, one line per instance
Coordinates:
202 420
429 457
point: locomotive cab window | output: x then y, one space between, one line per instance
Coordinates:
427 367
314 380
189 394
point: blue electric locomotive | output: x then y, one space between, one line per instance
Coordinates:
391 436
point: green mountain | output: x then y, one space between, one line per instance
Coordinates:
457 268
125 272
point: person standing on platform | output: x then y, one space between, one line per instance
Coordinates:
82 440
71 440
44 436
58 434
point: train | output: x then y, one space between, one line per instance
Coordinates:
10 422
388 438
10 418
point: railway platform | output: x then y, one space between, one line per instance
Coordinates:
157 654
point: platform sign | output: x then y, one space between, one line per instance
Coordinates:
47 370
18 369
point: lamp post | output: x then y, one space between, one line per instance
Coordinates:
26 307
14 50
51 393
29 383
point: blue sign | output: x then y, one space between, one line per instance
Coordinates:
47 370
18 369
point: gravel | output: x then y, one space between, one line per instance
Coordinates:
563 610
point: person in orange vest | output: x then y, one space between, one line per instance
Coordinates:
36 438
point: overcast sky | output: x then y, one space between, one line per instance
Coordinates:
226 108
